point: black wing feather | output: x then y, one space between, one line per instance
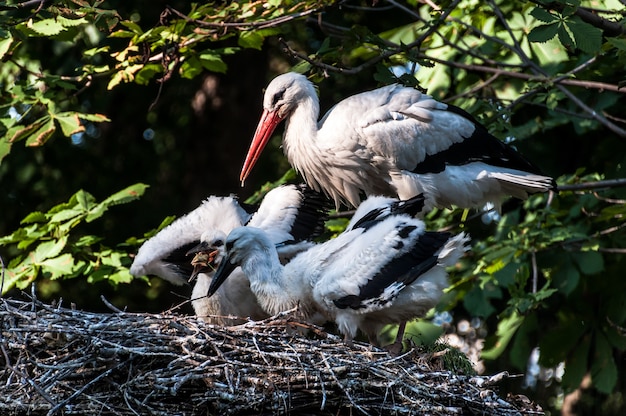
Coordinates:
404 269
481 146
411 206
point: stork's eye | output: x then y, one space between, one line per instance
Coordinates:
229 246
218 243
277 97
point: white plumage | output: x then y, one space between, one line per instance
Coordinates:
165 254
291 214
384 269
391 141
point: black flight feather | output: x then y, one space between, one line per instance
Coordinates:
404 269
411 206
481 146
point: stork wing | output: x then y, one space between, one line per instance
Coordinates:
398 272
292 213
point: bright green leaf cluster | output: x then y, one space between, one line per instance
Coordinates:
46 247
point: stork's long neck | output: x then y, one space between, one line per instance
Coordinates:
265 274
300 138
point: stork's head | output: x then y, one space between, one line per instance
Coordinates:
208 254
243 244
282 96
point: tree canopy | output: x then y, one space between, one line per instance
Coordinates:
115 117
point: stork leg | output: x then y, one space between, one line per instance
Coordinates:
347 339
396 348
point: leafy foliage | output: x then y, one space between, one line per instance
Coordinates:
544 76
46 247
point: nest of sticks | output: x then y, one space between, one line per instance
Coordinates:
63 361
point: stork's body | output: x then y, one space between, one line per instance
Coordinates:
391 141
384 269
291 214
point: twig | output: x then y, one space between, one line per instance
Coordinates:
110 305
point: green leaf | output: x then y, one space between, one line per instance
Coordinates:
191 68
504 333
559 342
69 122
588 38
131 193
66 214
122 34
97 118
213 62
576 365
20 132
134 27
35 216
566 278
41 136
506 276
603 369
477 302
542 14
48 249
57 267
5 45
128 194
565 38
523 342
590 262
47 27
148 72
121 276
543 33
71 22
618 43
251 39
84 200
5 148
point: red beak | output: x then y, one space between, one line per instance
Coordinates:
267 125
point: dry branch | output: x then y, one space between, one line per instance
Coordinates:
64 361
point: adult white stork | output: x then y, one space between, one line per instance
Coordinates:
391 141
384 269
292 214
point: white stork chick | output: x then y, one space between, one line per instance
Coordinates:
291 215
386 269
165 254
392 141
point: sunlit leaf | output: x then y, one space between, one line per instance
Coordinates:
251 39
5 45
504 333
213 62
48 249
70 123
58 267
41 135
35 216
47 27
5 148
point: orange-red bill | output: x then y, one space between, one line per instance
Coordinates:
267 125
